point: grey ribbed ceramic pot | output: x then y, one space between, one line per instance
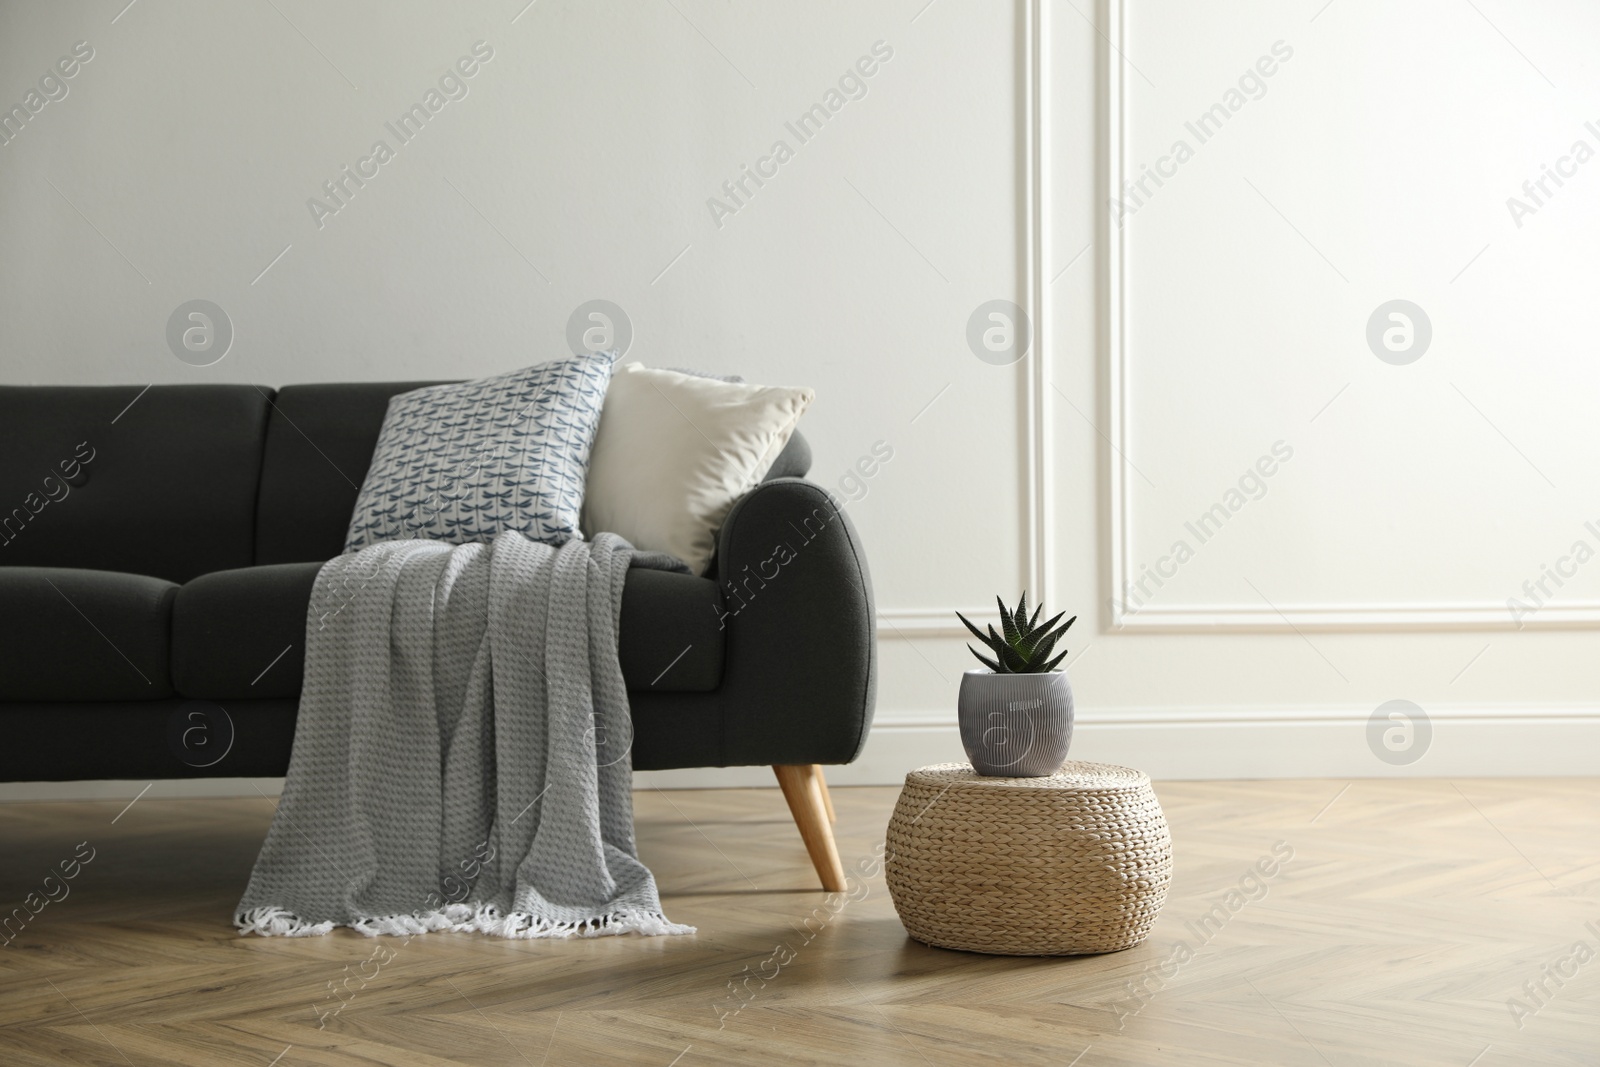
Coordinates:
1015 725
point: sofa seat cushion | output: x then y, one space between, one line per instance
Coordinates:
241 634
70 634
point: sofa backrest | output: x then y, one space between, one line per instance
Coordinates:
189 479
160 482
320 440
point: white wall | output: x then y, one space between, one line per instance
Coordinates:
1375 564
579 166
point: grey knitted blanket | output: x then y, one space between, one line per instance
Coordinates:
462 759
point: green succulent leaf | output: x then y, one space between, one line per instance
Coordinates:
1058 631
1008 624
985 660
1042 652
1022 645
979 634
1011 659
1035 637
1050 623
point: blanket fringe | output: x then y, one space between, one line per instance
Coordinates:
276 922
461 918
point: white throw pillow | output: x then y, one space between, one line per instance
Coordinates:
675 451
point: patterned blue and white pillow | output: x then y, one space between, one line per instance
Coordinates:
466 461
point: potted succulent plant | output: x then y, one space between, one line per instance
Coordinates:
1016 712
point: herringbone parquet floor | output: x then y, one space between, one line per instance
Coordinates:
1418 922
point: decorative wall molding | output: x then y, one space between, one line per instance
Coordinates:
1361 618
1037 410
926 622
1115 287
1247 618
1036 229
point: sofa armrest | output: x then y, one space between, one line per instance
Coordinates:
800 667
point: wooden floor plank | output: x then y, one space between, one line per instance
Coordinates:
1402 931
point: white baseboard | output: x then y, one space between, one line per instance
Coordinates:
125 791
1190 744
1198 745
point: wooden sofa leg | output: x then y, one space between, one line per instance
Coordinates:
827 798
807 795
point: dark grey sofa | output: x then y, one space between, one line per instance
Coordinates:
157 553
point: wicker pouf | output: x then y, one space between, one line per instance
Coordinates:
1074 863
